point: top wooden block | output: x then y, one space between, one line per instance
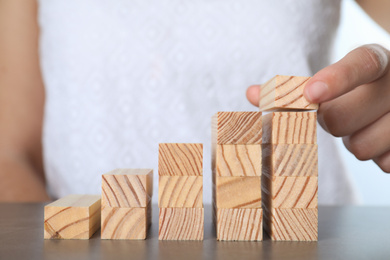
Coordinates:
237 128
180 159
285 92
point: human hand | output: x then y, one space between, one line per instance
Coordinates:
354 98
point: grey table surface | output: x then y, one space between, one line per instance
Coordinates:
344 233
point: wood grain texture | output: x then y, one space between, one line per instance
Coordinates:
72 217
127 188
238 192
290 128
239 224
180 159
181 224
291 224
290 160
237 128
237 160
285 92
125 223
180 191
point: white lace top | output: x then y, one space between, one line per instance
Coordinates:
122 76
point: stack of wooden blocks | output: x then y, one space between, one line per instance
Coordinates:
236 170
180 191
290 161
126 203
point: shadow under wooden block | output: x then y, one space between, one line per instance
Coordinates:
291 224
285 92
125 223
290 160
180 191
180 159
238 192
181 224
72 217
236 128
127 188
237 160
239 224
290 128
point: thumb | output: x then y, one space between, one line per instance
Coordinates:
253 94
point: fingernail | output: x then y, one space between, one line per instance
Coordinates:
316 91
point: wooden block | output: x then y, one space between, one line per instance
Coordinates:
180 191
184 159
239 224
237 128
238 192
290 160
290 128
72 217
181 223
291 224
285 92
237 160
127 188
125 223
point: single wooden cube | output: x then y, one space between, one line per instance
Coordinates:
180 159
181 224
237 159
290 160
125 223
290 128
291 224
238 192
239 224
72 217
180 191
285 92
237 128
127 188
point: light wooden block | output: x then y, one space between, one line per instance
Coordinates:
290 128
237 128
127 188
285 93
180 159
291 224
238 192
290 160
125 223
181 224
72 217
237 160
180 191
239 224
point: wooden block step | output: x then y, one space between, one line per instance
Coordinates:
239 224
127 188
285 92
180 191
290 160
125 223
72 217
181 224
180 159
237 128
290 128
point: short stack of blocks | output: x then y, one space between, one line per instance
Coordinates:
236 167
126 203
180 191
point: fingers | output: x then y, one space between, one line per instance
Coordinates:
383 162
253 94
361 66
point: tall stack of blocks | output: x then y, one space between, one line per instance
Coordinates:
290 161
236 170
126 203
180 191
